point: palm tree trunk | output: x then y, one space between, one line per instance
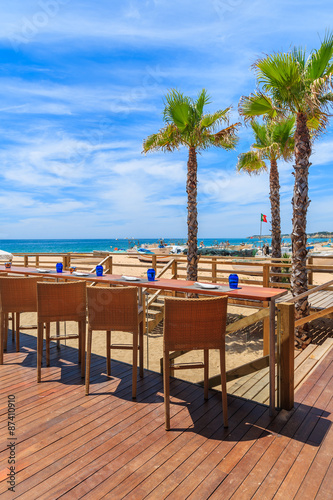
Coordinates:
274 196
299 280
192 216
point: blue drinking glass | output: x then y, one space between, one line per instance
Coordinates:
151 274
99 270
233 281
59 267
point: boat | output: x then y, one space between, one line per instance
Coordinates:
5 255
160 259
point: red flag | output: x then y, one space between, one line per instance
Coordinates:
263 218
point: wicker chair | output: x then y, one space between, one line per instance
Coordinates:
116 309
17 295
60 302
194 324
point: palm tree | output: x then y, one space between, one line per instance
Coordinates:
274 140
187 125
294 83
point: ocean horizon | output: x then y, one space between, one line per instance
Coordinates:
89 245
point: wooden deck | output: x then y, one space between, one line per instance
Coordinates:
318 300
255 386
107 446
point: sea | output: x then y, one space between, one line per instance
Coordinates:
121 245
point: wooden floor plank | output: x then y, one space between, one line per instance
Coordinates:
320 465
237 476
109 446
326 489
300 468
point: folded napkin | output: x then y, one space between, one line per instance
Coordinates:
131 278
44 270
206 285
77 273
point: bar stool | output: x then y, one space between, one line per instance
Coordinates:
116 309
191 324
17 295
60 302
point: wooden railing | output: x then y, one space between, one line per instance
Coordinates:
170 264
216 269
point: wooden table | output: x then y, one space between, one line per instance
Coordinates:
245 292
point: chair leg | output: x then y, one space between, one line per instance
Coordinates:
206 372
141 348
166 380
2 334
13 327
108 352
224 388
40 330
5 337
135 364
58 333
17 328
82 336
47 344
88 360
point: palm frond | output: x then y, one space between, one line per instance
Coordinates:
251 163
176 107
167 139
317 123
299 56
202 100
225 138
282 135
256 104
278 70
261 134
319 63
215 119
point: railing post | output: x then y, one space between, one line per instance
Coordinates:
64 261
153 262
174 270
26 261
214 269
265 283
310 272
37 260
109 267
265 275
265 332
286 331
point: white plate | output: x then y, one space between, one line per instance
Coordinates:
44 270
131 278
206 285
77 273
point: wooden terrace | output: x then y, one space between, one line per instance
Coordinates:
108 446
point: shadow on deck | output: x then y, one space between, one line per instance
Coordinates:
106 444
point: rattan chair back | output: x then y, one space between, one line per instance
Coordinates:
61 301
195 323
18 294
113 308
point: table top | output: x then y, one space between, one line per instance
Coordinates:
249 292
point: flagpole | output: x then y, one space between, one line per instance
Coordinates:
260 227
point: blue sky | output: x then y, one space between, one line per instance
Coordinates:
82 84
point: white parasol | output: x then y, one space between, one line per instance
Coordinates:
5 255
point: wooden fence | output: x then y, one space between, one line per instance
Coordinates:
251 271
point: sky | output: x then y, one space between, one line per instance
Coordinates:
82 85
